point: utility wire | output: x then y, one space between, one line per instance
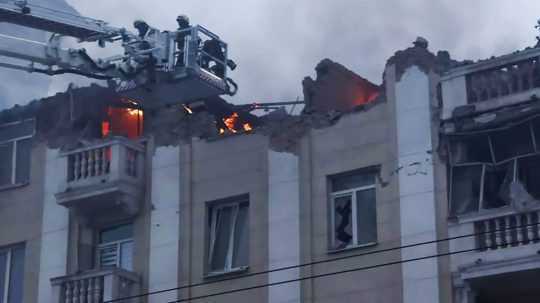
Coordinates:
331 260
334 273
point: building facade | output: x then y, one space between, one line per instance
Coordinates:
421 189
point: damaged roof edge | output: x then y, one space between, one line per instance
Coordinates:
493 62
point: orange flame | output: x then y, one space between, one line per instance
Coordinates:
231 121
231 124
134 112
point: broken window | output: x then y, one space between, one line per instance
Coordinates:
353 210
115 247
123 121
512 142
11 274
535 124
228 247
497 180
506 170
15 149
471 149
529 174
465 194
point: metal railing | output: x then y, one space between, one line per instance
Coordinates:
508 230
202 49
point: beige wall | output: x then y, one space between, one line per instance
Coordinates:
357 141
21 218
216 170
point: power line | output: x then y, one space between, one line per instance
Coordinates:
328 261
324 275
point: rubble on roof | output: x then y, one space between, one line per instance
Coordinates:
76 117
337 89
65 117
420 56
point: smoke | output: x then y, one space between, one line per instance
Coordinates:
276 43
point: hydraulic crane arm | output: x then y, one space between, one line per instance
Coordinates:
151 68
54 21
49 55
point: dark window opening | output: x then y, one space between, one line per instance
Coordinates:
512 142
15 153
471 149
466 181
11 274
497 182
529 175
536 130
6 163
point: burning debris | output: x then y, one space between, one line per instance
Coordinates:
94 113
123 119
233 124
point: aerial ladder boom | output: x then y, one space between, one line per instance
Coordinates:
151 70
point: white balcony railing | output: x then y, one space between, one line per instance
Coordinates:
508 230
99 174
95 286
116 158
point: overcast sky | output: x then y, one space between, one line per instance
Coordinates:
276 43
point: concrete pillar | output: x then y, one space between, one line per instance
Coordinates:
416 185
283 225
55 226
164 225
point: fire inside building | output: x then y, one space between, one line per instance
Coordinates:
420 189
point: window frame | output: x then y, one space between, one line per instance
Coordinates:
117 245
15 142
333 195
211 209
514 161
8 270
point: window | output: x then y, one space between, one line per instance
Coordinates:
15 148
353 210
495 168
115 247
11 274
228 236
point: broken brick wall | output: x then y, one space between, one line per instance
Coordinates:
337 89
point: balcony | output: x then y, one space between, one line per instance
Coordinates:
506 260
506 231
96 286
501 236
104 177
493 83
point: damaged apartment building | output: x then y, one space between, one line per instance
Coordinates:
103 199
